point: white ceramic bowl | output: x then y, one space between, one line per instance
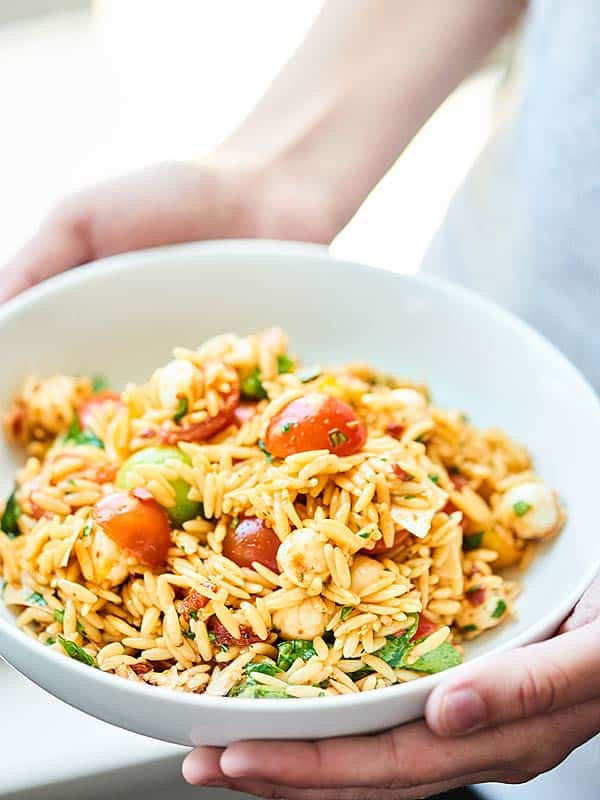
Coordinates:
122 316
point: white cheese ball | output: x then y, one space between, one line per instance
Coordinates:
301 557
531 510
304 621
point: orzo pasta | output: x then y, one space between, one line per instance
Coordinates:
239 525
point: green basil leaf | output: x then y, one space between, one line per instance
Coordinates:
81 437
284 364
291 650
37 599
8 521
443 657
264 667
251 387
75 651
181 410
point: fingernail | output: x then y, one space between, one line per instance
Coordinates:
236 765
463 711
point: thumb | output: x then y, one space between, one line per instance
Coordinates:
61 243
541 678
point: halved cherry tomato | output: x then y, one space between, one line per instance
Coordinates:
315 422
89 410
222 635
252 540
396 430
400 473
209 427
380 546
243 413
424 628
136 522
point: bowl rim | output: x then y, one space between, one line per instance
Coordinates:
138 259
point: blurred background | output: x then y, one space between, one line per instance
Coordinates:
94 88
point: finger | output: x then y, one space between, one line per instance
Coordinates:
201 767
586 611
60 244
412 756
538 679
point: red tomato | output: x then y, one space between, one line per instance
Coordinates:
459 481
136 522
449 507
424 628
400 473
222 635
315 422
193 601
476 597
396 430
204 430
380 546
252 540
243 413
89 410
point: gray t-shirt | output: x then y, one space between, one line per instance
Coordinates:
525 230
525 227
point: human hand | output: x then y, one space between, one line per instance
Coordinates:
171 202
505 719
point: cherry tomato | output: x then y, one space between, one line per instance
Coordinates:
380 546
424 628
209 427
136 522
459 481
315 422
476 597
222 635
400 473
89 410
396 430
252 540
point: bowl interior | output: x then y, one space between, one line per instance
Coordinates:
121 318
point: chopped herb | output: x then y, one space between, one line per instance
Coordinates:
345 612
264 667
50 641
521 507
263 447
224 648
181 410
251 387
421 439
434 478
8 521
473 541
194 615
453 471
99 382
499 610
59 615
75 651
89 527
77 436
235 521
365 534
212 637
308 374
37 599
291 650
284 364
189 634
81 629
443 657
337 437
409 496
287 426
469 628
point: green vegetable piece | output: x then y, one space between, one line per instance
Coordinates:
499 609
264 667
59 615
184 508
181 410
434 478
262 446
345 613
189 634
394 650
473 541
287 426
291 650
99 383
469 628
81 437
50 641
284 364
257 691
37 599
75 651
364 534
12 512
308 374
521 507
194 615
337 437
89 527
443 657
251 387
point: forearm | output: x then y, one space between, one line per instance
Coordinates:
366 78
